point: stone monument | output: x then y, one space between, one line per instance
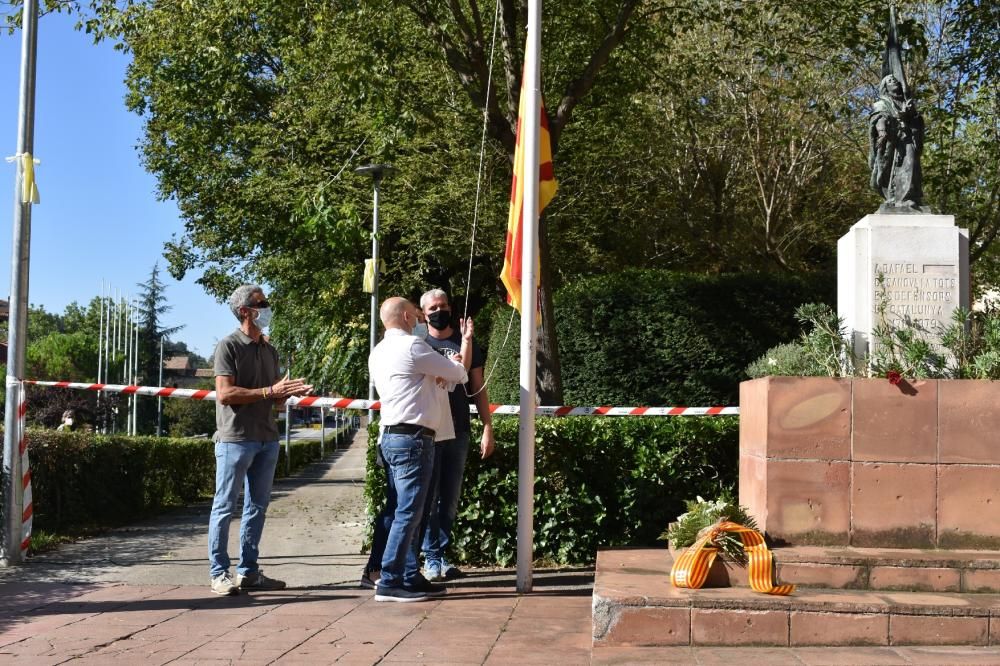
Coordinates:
915 261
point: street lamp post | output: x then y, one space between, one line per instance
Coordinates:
377 172
11 536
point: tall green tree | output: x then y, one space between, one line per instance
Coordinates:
152 306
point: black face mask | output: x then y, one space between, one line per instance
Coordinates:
440 319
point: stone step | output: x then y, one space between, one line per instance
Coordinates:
888 569
849 568
635 605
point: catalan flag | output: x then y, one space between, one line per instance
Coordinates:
547 186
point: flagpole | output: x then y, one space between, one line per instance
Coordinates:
531 125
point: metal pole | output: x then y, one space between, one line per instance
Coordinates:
336 430
288 439
100 341
114 338
322 432
12 488
529 269
159 400
135 378
126 342
377 172
100 347
373 324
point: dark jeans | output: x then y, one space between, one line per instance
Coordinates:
409 464
446 488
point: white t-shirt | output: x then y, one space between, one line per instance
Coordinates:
404 369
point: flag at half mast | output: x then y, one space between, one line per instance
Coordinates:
547 186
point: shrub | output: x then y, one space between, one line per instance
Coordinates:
82 481
599 482
789 359
647 337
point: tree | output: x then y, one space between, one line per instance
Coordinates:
152 306
705 136
224 87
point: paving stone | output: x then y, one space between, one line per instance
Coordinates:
735 627
928 579
937 630
649 627
873 656
667 656
839 628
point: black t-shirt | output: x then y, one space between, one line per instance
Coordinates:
458 398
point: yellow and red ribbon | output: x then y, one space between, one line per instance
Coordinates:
691 567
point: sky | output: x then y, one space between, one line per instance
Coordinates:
99 216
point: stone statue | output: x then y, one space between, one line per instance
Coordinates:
896 136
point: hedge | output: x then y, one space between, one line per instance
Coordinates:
82 481
650 337
599 482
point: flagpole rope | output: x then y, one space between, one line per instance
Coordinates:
482 154
359 404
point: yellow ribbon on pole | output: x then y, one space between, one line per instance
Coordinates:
691 567
29 190
368 282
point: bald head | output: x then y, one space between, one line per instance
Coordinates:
394 312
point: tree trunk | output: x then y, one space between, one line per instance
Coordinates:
548 379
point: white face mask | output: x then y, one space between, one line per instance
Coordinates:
263 319
420 330
68 421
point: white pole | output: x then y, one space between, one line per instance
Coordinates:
373 319
135 379
100 341
12 488
529 269
106 305
114 344
322 432
159 400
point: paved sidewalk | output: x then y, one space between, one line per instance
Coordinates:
313 536
139 595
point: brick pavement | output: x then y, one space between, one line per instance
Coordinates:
139 596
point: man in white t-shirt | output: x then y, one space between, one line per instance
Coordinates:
407 374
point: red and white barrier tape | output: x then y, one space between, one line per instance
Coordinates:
27 507
350 403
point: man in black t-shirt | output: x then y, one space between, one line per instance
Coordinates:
450 455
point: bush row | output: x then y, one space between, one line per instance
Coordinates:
82 481
652 337
599 483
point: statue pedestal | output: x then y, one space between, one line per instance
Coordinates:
924 260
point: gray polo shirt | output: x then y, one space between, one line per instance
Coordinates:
251 365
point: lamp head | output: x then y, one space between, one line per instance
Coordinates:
377 171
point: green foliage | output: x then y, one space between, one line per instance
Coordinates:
189 418
973 339
599 483
700 515
660 338
825 343
969 347
82 481
788 359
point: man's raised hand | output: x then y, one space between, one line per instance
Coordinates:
286 388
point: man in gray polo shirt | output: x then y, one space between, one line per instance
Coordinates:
247 386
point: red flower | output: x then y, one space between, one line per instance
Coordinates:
894 377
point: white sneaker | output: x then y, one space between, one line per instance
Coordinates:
223 585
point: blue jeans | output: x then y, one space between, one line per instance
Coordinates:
446 489
247 465
409 464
